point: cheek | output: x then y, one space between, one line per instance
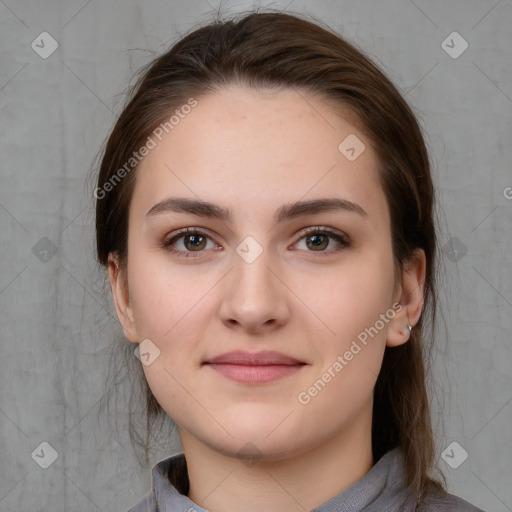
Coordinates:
160 294
358 310
170 309
354 298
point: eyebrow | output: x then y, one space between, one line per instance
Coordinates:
285 212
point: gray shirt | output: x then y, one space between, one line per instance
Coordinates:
380 490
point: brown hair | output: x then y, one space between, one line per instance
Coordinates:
276 49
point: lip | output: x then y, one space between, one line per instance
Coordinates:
255 367
266 357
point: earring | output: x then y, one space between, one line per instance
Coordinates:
409 328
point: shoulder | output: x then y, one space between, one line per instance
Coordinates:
169 483
148 504
445 502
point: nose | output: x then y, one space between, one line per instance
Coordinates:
254 298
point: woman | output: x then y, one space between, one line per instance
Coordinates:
265 212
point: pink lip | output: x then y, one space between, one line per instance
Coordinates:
259 367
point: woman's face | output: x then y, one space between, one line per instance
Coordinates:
255 280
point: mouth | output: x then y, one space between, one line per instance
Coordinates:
255 368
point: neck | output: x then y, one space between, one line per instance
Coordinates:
222 483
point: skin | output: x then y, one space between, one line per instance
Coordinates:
251 152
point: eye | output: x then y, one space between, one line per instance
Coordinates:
318 238
194 241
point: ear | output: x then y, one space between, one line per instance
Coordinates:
120 292
410 298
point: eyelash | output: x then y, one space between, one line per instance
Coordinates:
316 230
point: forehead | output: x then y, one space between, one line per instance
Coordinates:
246 148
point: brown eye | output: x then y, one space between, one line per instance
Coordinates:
317 241
187 241
197 242
319 238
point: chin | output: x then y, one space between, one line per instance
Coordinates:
259 440
252 449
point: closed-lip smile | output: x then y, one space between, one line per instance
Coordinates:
255 367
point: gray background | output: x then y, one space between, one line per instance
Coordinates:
56 329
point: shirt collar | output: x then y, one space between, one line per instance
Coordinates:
382 489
